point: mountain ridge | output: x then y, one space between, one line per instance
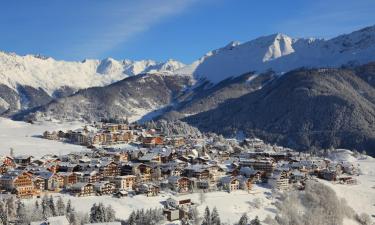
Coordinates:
281 53
303 108
50 74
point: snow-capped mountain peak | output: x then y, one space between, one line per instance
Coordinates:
110 66
169 66
230 46
137 67
282 53
275 46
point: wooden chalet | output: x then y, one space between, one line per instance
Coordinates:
149 189
109 169
152 141
82 189
104 188
279 180
126 182
230 183
69 178
19 183
180 184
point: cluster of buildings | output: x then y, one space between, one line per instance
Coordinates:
152 162
111 134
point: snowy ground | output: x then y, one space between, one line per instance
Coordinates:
230 205
22 137
360 197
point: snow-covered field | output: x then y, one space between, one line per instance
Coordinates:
22 137
230 205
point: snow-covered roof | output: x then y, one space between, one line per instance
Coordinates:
227 179
79 185
45 174
197 168
247 171
148 157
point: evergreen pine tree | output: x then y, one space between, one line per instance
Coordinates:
69 207
3 214
46 211
51 205
85 219
194 216
93 214
207 217
101 213
215 218
243 220
72 217
132 218
37 213
255 221
21 215
11 207
36 205
60 207
185 221
110 214
98 213
137 216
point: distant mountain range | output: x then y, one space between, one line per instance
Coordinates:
32 80
295 92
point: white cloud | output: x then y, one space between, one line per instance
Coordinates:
126 21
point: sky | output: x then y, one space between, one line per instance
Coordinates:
166 29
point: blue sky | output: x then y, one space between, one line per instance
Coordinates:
163 29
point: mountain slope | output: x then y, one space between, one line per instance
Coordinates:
321 107
132 97
204 96
282 53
